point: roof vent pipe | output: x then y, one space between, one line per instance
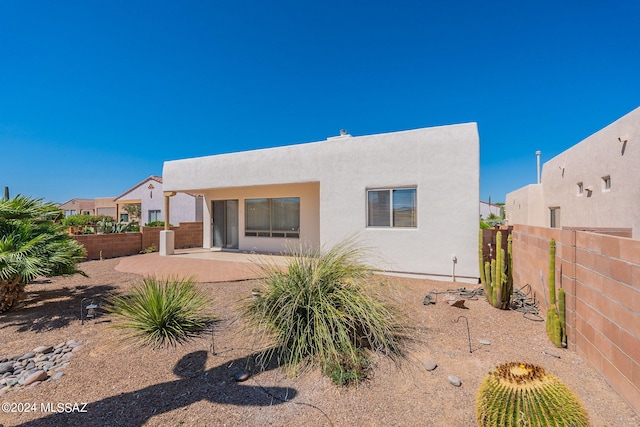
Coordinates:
538 161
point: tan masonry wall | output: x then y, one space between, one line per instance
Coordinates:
601 278
187 235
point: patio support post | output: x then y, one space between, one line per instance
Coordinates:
167 237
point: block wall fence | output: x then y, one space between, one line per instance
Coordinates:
187 235
600 275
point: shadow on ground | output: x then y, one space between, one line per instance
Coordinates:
216 385
45 309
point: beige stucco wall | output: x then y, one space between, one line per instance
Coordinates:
523 206
604 153
105 206
441 162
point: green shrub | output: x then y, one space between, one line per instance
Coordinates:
82 220
157 224
319 311
162 312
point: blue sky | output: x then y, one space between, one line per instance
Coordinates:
95 95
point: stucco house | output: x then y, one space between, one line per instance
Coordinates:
99 206
594 184
77 206
186 207
412 197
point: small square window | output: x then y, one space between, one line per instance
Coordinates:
580 189
606 183
392 208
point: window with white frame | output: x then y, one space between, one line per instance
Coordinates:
393 207
69 212
277 217
124 217
155 216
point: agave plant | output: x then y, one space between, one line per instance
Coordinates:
32 245
521 394
319 311
162 313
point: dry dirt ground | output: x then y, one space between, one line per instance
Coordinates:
189 385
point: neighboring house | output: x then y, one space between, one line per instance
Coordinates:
488 208
594 184
186 207
78 207
411 197
105 206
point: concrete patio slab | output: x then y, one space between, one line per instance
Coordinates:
205 265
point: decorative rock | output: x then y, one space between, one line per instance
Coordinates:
457 303
32 368
455 381
430 365
241 375
43 349
484 342
454 300
36 376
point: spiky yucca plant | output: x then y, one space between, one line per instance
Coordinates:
162 312
521 394
318 310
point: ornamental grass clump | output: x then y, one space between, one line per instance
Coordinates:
162 313
319 311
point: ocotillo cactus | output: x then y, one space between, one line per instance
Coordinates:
522 394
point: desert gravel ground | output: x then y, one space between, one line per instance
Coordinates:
125 385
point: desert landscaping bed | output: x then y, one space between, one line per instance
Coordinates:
125 385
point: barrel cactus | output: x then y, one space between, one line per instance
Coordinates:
522 394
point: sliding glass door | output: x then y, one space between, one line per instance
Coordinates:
225 224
